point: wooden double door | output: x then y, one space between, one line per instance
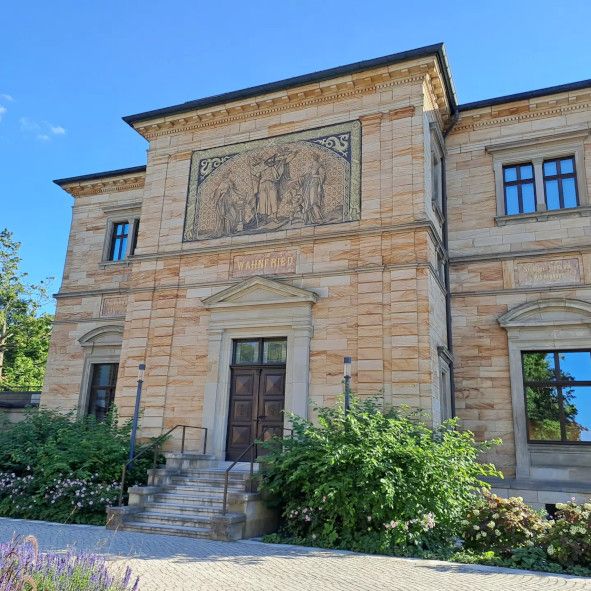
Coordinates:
257 396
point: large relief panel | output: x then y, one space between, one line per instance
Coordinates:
300 179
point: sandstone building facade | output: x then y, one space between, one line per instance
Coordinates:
356 211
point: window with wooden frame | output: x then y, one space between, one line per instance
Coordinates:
121 239
540 177
560 183
557 387
103 382
519 188
119 236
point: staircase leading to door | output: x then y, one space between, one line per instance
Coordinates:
185 498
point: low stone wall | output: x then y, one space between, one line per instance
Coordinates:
13 404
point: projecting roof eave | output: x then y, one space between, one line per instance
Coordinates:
524 96
95 176
436 50
122 179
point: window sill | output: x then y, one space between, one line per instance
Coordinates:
542 216
557 446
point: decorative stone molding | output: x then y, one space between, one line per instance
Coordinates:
105 336
299 98
401 113
112 185
258 291
518 112
548 313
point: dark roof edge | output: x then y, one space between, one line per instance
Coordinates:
100 175
521 96
322 75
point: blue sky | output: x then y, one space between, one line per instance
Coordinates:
70 70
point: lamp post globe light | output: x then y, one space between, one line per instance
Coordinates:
347 381
136 411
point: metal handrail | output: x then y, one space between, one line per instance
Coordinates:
155 445
254 444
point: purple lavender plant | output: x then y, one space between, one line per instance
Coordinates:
24 568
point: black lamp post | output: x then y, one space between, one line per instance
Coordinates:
347 380
136 411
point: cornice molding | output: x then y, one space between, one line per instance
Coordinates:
280 240
514 114
534 252
368 83
114 185
293 278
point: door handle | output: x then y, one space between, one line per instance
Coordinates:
261 417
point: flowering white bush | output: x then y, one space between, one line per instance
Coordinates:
25 496
568 541
501 525
82 493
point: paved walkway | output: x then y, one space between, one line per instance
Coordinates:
168 563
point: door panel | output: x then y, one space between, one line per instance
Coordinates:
271 401
243 391
257 398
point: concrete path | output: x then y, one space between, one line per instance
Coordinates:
168 563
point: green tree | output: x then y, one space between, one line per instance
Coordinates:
24 328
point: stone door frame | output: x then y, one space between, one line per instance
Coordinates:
256 308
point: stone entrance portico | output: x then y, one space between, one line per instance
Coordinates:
256 307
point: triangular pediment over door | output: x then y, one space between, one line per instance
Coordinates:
259 291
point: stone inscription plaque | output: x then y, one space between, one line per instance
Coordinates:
299 179
264 263
559 272
113 306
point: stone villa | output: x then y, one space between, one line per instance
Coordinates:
355 211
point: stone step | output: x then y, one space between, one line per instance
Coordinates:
189 490
177 499
183 519
207 489
198 495
216 472
154 528
155 507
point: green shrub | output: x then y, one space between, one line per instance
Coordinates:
501 525
374 481
568 541
59 468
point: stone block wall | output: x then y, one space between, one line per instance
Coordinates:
498 264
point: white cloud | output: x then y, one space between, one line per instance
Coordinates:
7 97
43 130
27 124
2 111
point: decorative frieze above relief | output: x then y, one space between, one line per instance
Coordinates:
542 273
299 179
113 306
